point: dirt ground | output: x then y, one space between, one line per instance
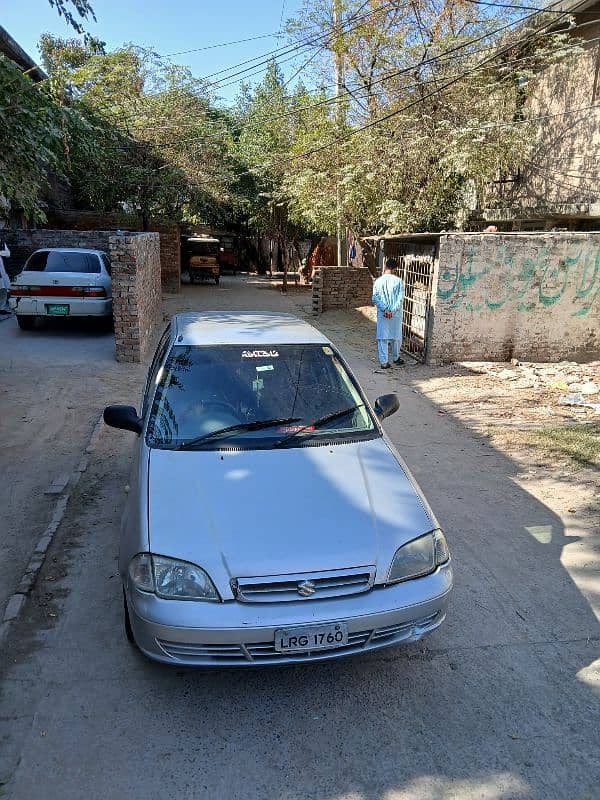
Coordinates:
499 703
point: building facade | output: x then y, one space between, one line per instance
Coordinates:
558 185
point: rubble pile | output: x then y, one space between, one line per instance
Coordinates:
576 385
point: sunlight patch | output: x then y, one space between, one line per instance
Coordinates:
543 533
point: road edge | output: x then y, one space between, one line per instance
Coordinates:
16 602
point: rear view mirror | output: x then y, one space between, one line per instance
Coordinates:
124 417
386 405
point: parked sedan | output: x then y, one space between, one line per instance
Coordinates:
62 282
269 520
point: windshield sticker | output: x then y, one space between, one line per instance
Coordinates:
260 354
328 351
265 368
295 428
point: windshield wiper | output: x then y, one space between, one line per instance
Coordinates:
317 423
242 426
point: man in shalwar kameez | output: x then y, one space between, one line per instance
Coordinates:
388 296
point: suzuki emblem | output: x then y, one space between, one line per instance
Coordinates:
306 588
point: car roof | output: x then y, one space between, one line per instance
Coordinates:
243 327
70 250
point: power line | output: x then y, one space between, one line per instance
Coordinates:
301 44
435 58
539 9
207 138
420 100
223 44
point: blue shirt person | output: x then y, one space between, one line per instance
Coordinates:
388 297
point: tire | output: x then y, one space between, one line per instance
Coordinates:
217 280
26 322
127 621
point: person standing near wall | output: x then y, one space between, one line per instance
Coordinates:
388 297
4 280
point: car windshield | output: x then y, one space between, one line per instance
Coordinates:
261 395
62 261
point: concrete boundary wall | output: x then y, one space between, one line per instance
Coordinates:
136 293
340 287
530 296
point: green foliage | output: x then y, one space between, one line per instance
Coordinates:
144 135
423 130
31 131
83 9
432 92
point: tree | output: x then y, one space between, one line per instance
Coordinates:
83 8
432 89
30 139
158 138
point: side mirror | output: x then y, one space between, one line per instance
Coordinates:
124 417
386 405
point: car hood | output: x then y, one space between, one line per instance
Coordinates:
249 513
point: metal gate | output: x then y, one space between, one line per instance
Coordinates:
416 263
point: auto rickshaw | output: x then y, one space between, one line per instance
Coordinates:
203 258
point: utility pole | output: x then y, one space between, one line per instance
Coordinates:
342 246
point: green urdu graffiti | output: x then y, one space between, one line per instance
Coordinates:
492 277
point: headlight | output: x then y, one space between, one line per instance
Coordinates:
419 557
171 579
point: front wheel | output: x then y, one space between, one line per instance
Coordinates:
25 322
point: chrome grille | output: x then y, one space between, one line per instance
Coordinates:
309 586
264 652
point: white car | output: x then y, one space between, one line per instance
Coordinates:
62 282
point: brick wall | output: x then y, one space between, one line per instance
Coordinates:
340 287
170 256
530 296
136 278
22 243
170 232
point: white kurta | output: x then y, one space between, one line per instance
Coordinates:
388 295
4 279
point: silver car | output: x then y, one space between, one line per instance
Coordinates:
269 519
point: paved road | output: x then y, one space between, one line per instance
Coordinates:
500 703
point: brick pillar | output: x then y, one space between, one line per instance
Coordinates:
136 279
317 287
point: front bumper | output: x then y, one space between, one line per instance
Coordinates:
84 307
243 634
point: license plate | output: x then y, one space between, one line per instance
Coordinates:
58 310
314 637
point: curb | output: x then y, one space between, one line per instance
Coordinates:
16 601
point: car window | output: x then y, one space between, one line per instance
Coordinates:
154 367
63 261
204 389
106 262
37 261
